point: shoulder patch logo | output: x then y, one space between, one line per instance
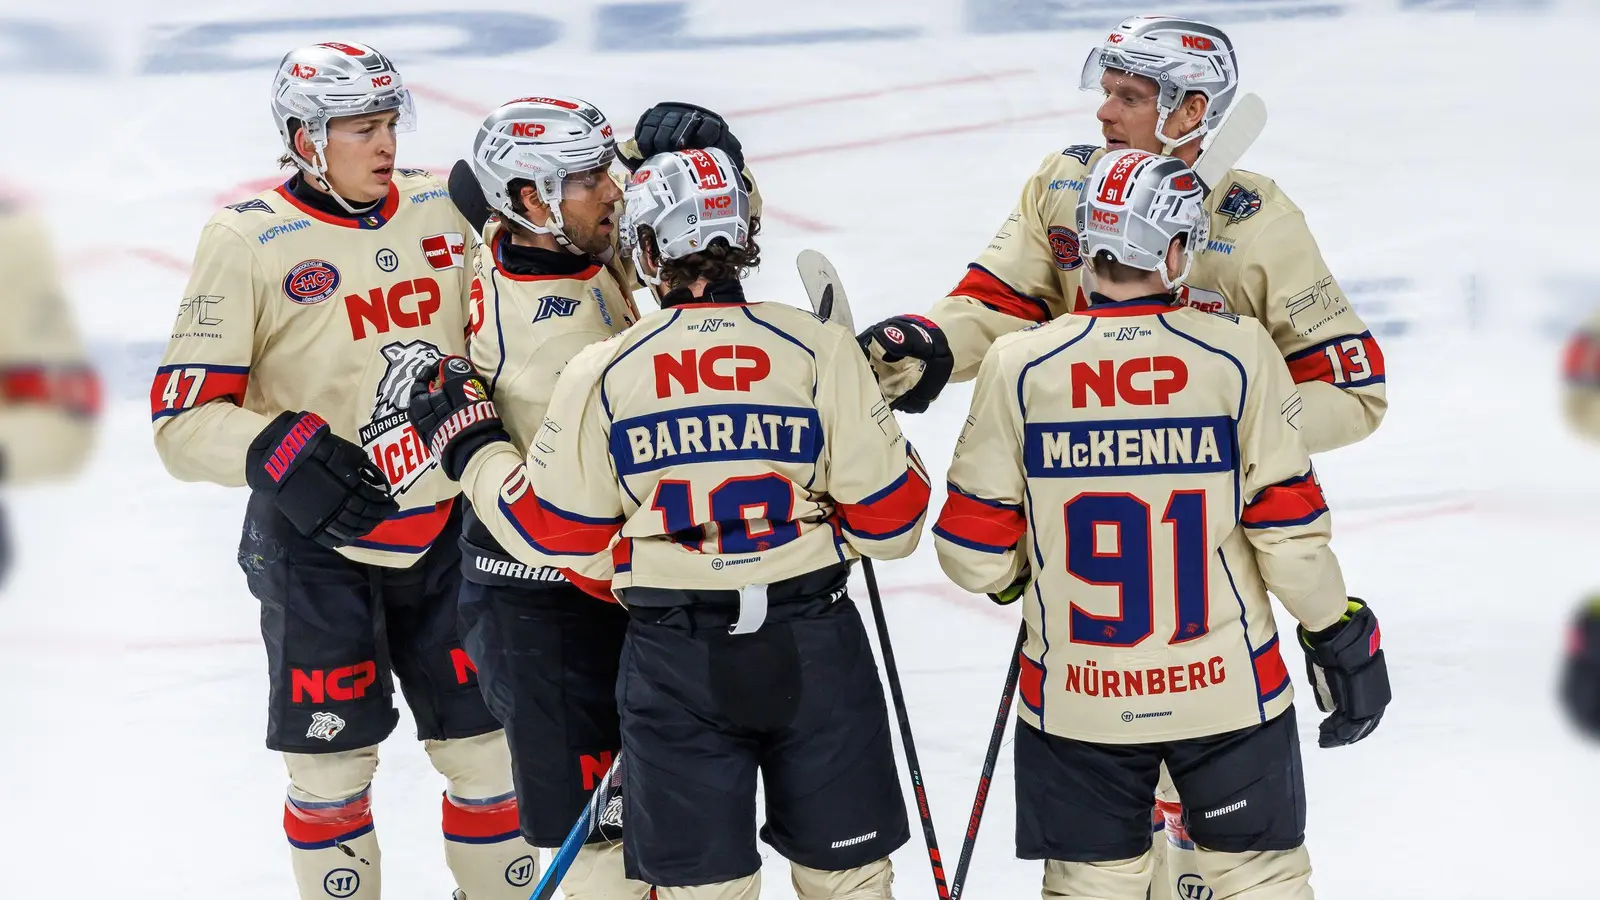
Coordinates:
555 306
257 204
1080 152
445 251
1202 299
1239 204
1064 247
311 281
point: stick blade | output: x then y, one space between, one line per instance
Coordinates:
1244 124
827 294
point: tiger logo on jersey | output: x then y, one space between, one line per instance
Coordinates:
394 446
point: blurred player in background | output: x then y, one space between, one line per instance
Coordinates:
49 392
716 467
1168 82
548 282
310 310
1580 672
1135 473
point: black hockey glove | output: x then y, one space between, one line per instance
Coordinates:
671 126
324 485
1013 592
1346 667
914 337
451 409
467 195
1580 669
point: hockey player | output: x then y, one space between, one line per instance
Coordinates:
716 467
310 310
1167 82
1137 472
49 393
548 282
1580 673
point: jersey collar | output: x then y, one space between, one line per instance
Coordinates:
367 221
1154 304
501 245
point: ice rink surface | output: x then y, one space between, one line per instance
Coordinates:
1425 141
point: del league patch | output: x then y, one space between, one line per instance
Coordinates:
311 281
1239 204
1064 247
445 251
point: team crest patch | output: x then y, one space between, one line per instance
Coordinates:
1064 247
445 251
554 306
325 726
257 204
311 281
1080 152
1239 204
473 390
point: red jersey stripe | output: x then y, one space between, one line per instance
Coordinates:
983 286
890 511
979 524
1293 502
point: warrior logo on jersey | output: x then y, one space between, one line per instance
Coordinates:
1080 152
394 446
256 204
311 281
1064 247
1239 204
555 306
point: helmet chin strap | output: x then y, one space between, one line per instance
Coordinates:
317 170
1170 144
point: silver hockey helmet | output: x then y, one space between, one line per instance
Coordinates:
1179 55
687 199
542 140
1135 203
327 81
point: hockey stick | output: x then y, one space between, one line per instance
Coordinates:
981 798
829 302
1244 124
595 813
892 672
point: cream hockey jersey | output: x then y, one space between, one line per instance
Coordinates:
289 308
1581 373
711 446
526 328
1261 261
49 393
1140 464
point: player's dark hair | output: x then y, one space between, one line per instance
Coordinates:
514 194
718 262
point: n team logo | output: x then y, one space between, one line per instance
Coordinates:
311 281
